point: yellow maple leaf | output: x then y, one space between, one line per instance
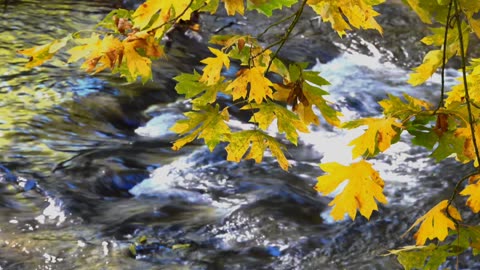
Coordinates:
359 14
206 123
39 54
379 134
473 189
233 6
457 94
255 79
87 45
431 61
214 65
99 53
364 186
137 64
435 223
257 141
146 11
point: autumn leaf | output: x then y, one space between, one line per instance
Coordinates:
435 223
379 134
99 53
305 92
233 6
287 121
473 190
137 65
145 12
206 122
257 141
359 14
40 54
253 82
213 68
430 64
362 188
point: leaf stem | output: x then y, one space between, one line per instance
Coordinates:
275 24
287 34
465 84
444 59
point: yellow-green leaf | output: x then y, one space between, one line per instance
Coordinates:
206 122
363 188
287 121
40 54
257 141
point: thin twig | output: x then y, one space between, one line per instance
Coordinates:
444 59
275 24
465 84
287 34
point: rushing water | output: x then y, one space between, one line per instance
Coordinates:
84 175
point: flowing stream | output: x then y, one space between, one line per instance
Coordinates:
87 173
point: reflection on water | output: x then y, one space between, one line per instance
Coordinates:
89 177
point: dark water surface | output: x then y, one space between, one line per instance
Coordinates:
87 170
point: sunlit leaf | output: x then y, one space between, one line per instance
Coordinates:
435 223
214 65
473 191
345 13
253 82
287 121
379 134
40 54
206 123
363 188
430 64
233 6
257 141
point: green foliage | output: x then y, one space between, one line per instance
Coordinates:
125 42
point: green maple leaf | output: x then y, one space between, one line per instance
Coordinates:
205 122
287 121
314 95
395 106
189 85
268 6
428 257
448 144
